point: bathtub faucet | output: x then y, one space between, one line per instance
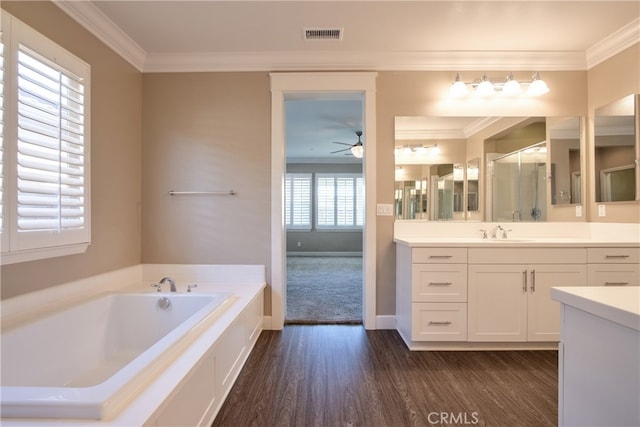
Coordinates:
164 280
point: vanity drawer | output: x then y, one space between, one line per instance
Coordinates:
439 255
439 283
439 322
613 275
613 255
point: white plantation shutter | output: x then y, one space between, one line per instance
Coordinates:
339 201
298 201
325 201
46 209
50 147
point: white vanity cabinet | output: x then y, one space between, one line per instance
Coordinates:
509 291
613 266
431 294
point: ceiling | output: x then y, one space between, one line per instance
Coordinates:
238 35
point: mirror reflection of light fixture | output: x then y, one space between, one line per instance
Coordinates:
421 149
508 87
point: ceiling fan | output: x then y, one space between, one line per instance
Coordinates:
356 149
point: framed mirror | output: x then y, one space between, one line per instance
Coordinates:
615 150
565 140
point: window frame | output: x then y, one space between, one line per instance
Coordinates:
28 246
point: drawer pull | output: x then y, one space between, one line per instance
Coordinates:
441 256
440 283
616 256
616 283
524 281
436 323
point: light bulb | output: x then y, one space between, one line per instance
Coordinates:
458 88
485 88
357 151
537 87
511 87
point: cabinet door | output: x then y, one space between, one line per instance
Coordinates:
497 309
543 312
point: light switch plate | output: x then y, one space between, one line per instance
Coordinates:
602 210
384 209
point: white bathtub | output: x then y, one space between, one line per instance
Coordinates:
89 360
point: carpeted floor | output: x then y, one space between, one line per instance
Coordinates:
324 290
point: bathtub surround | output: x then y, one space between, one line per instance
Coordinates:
192 382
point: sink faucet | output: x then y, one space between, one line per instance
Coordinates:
164 280
494 231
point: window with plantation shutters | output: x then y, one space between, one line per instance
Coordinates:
298 201
46 123
339 201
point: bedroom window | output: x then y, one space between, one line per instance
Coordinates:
45 147
298 201
339 201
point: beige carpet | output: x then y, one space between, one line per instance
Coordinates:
324 290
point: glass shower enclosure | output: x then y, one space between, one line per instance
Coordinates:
519 189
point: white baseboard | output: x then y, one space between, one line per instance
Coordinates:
382 322
386 322
342 254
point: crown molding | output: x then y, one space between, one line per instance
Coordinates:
372 61
92 19
625 37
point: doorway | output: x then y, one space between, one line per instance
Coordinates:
285 85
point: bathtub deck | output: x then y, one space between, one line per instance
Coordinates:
346 376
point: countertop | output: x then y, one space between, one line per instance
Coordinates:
616 304
512 242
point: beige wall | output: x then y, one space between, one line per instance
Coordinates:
115 158
203 132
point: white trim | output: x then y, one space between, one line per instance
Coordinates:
378 61
41 253
386 322
291 83
625 37
91 18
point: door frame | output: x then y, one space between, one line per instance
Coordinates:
291 83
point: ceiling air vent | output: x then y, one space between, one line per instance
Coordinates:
322 33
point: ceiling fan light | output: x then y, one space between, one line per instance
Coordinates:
537 87
357 150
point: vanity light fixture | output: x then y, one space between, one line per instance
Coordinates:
506 87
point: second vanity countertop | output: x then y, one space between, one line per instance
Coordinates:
522 242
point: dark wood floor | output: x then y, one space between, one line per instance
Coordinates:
338 375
